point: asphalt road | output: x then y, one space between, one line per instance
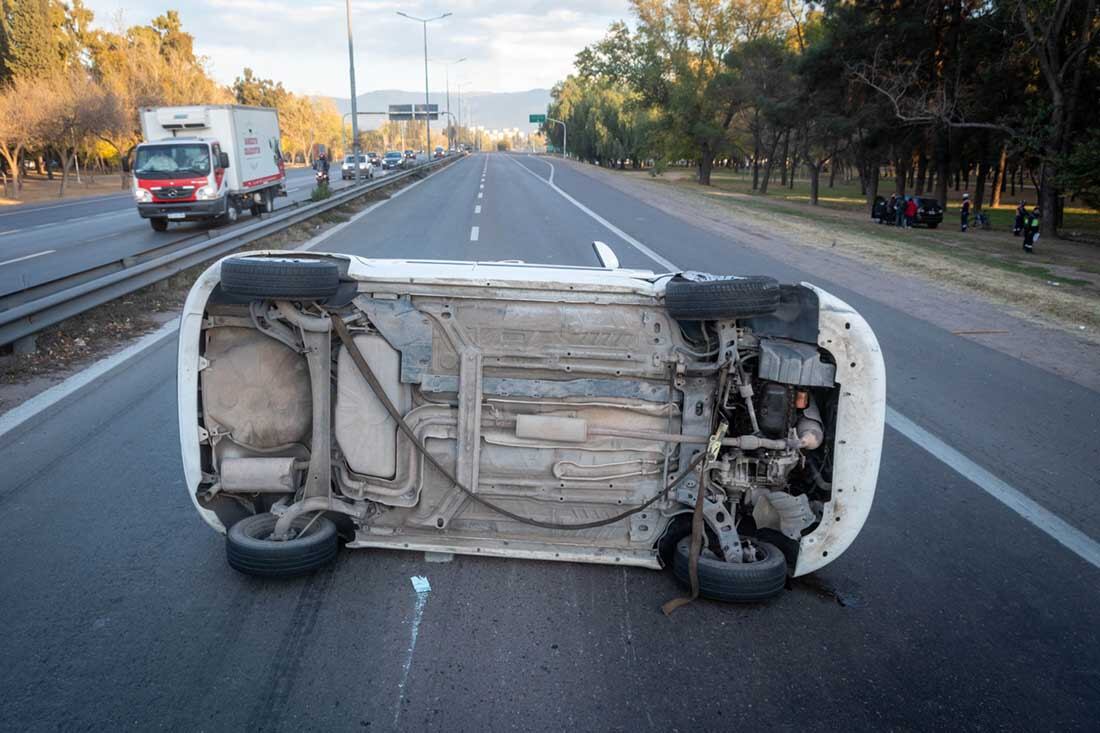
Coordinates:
948 611
41 242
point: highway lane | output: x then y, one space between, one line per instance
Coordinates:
121 613
41 242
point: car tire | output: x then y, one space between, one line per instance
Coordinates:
933 226
250 551
733 582
281 278
159 224
721 298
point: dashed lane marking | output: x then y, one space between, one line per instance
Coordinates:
28 257
475 232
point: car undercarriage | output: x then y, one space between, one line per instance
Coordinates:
524 416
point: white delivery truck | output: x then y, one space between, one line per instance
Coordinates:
207 163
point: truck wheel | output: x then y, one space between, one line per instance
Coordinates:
281 278
736 582
268 205
250 549
721 298
159 224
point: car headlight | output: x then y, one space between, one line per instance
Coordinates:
206 193
142 195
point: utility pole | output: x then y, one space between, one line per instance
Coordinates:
427 117
447 76
354 111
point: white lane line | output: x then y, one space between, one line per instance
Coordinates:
18 415
482 186
423 588
477 209
9 231
475 232
480 195
1064 533
608 225
40 403
1043 519
28 257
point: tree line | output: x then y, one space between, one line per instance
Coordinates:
994 92
70 92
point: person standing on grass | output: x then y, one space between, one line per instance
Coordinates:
965 212
1018 225
1031 230
899 211
891 209
910 212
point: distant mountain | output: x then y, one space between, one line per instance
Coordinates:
488 109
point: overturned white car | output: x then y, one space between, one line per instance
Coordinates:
557 413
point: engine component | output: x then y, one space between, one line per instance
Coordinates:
774 413
781 511
811 431
791 362
255 388
259 475
364 430
546 427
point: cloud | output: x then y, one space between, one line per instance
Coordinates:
511 45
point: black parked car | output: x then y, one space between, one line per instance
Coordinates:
929 212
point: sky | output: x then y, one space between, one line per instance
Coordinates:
509 45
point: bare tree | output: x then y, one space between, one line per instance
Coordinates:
75 109
20 125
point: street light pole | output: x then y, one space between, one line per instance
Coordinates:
354 111
447 77
564 135
427 117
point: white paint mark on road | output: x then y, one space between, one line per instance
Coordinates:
479 195
474 233
1031 511
482 186
477 209
1061 531
422 587
611 227
27 257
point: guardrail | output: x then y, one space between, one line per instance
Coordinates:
28 311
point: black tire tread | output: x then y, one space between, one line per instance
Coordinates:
290 279
690 300
733 582
270 559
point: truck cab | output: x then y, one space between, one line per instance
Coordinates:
207 163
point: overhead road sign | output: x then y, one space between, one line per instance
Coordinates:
536 118
399 112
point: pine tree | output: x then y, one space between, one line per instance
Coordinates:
28 39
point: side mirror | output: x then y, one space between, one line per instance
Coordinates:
223 160
125 165
606 256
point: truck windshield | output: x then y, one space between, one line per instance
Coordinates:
169 161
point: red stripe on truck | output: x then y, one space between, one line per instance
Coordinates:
266 179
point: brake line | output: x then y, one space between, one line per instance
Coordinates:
368 374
